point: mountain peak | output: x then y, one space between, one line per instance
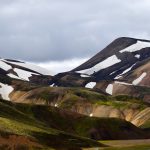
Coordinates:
115 48
130 39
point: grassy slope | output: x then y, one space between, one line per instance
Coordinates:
27 118
15 121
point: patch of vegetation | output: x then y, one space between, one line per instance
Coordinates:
105 128
115 104
89 95
47 96
99 99
75 96
69 100
126 98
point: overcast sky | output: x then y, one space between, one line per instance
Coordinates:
46 31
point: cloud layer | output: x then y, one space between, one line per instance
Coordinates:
56 30
56 67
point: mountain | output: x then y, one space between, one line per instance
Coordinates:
105 98
24 71
120 68
116 58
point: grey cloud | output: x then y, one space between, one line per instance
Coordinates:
45 30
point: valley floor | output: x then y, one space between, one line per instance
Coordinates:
125 145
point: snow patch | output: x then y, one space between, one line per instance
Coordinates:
137 56
23 74
5 66
123 83
113 72
109 89
90 85
110 61
31 67
52 85
127 70
5 90
84 76
13 76
117 77
139 79
136 47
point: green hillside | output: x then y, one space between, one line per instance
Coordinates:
49 126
